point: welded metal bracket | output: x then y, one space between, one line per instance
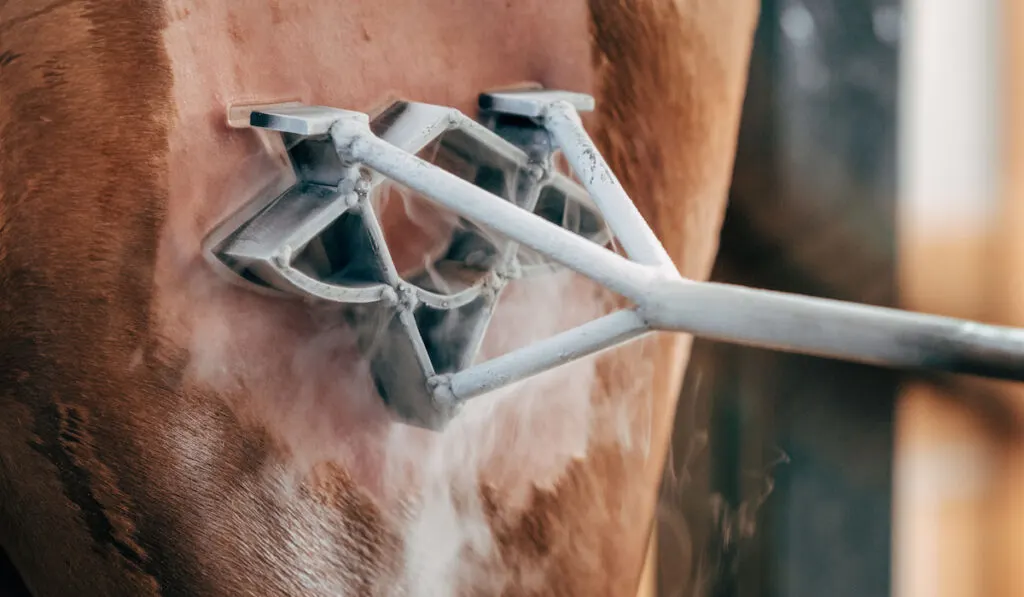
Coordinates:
424 364
424 330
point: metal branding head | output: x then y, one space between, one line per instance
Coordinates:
321 240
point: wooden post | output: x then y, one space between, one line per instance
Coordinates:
1008 307
949 198
959 530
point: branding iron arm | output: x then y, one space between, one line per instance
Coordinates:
665 301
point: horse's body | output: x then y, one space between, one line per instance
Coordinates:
164 432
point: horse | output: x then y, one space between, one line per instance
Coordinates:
165 432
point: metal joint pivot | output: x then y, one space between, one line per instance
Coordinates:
424 364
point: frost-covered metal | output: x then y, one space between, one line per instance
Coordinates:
519 215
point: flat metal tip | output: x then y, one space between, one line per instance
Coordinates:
302 120
531 103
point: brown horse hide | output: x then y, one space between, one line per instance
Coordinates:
164 432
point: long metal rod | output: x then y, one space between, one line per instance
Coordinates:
835 329
620 213
581 341
666 301
772 320
439 186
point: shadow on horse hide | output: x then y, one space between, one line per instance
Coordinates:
165 433
11 584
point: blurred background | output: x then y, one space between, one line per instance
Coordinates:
881 160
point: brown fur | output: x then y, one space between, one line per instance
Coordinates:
92 504
671 78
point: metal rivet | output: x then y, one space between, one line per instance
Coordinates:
440 387
389 296
362 186
283 258
407 297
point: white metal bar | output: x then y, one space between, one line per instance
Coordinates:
571 250
619 211
834 329
585 340
774 320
